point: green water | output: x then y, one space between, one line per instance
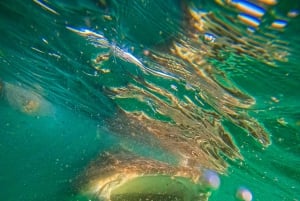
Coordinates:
43 152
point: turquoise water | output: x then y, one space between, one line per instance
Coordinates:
60 108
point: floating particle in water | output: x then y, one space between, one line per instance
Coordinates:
174 87
107 17
282 121
274 99
101 58
146 52
243 194
45 41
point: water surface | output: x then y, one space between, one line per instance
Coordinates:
208 84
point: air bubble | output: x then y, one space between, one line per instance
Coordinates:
211 180
243 194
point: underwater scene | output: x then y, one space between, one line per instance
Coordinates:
149 100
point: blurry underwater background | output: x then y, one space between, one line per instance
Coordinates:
149 100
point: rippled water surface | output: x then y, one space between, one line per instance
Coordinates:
201 93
